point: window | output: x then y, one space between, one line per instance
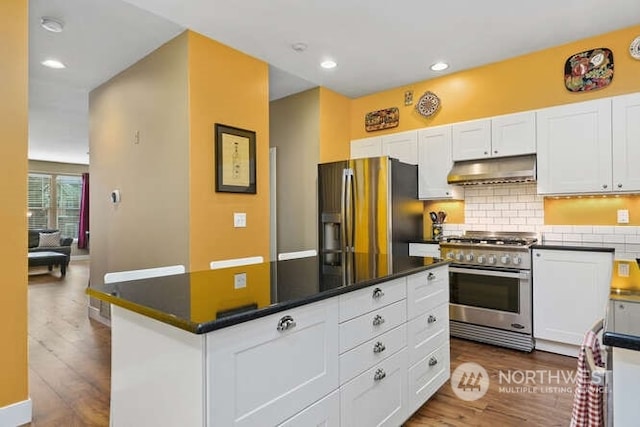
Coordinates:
55 206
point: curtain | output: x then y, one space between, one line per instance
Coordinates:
83 224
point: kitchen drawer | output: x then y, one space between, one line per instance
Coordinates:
357 360
427 290
363 328
325 412
378 396
427 332
427 376
424 249
355 303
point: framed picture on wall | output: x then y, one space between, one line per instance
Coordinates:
235 160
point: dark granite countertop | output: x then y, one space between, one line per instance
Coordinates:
203 301
574 246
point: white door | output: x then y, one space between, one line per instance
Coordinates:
434 164
471 140
626 142
513 134
402 146
366 147
574 148
258 375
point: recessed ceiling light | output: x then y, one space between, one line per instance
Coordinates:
439 66
53 63
51 24
328 64
299 47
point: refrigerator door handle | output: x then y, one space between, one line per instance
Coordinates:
343 210
349 220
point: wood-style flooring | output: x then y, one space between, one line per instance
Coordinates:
69 368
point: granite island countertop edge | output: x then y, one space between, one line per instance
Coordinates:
205 327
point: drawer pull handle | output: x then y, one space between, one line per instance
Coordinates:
378 320
286 323
377 293
379 347
431 276
379 375
433 361
431 319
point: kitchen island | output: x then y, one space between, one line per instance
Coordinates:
287 344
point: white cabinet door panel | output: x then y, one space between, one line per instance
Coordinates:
363 328
574 148
427 290
366 147
427 332
325 413
427 376
513 134
261 376
471 140
355 303
626 142
434 164
402 146
424 249
378 396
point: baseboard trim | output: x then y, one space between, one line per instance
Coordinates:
16 414
80 257
94 313
557 347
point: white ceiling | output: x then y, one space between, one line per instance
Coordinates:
378 44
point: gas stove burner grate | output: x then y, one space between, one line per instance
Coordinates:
476 239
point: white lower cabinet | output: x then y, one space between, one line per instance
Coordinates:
570 293
378 396
427 375
325 413
260 374
427 332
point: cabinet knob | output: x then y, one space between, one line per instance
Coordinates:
446 192
378 320
380 374
619 185
486 153
379 347
538 255
604 186
495 152
432 319
431 276
286 323
377 293
433 361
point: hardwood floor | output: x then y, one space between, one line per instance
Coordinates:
69 359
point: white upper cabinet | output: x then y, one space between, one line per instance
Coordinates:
574 148
626 142
471 140
366 147
513 134
402 146
434 164
500 136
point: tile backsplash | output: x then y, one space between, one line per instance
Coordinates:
517 207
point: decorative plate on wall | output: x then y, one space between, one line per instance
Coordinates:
634 48
589 70
382 119
428 104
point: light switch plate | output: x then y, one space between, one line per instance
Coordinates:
623 269
240 280
623 216
239 219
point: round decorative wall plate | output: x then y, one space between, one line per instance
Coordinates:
634 48
428 104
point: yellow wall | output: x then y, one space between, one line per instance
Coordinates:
334 126
522 83
590 210
13 187
228 87
453 208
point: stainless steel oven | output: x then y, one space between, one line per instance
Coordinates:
490 288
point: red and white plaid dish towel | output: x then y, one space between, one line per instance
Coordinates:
587 398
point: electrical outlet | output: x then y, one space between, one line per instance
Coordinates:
623 216
240 280
239 219
623 269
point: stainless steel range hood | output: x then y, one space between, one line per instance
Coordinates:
494 170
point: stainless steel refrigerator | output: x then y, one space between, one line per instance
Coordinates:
368 213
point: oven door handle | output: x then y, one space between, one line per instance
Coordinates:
494 273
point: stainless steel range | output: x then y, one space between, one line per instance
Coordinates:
490 287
